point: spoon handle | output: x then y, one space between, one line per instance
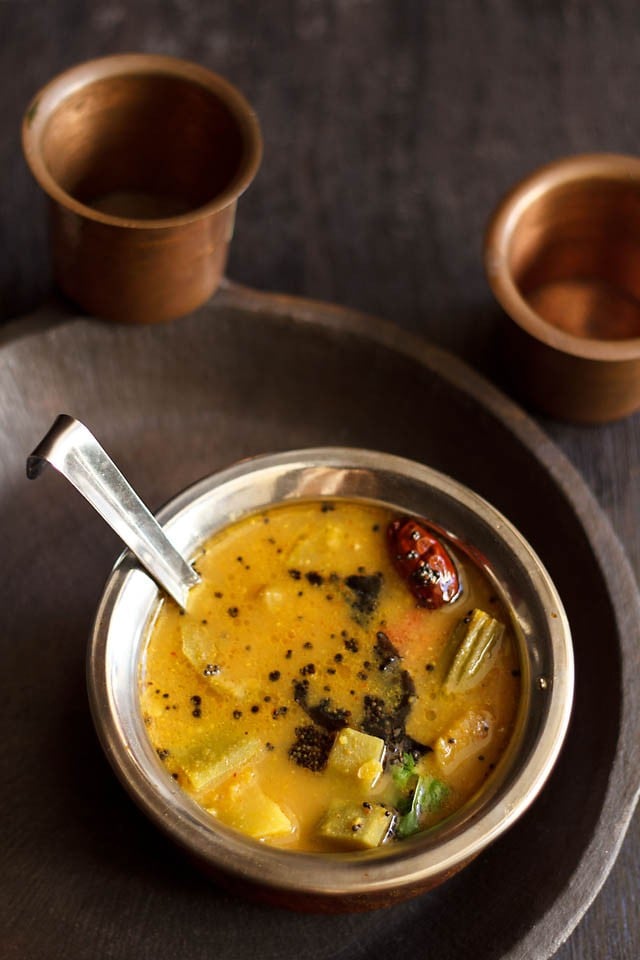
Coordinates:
73 450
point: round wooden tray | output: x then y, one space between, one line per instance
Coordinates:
84 874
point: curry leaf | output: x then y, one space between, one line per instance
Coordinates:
429 796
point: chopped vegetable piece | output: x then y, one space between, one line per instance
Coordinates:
475 641
311 549
469 737
243 805
198 645
357 755
429 796
205 656
209 763
358 825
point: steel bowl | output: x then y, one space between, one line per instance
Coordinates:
349 881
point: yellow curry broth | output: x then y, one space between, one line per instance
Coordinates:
287 622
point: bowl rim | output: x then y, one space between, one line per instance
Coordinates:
614 167
406 865
52 95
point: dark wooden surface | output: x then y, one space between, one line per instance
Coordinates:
391 130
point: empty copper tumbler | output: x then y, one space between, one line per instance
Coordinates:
143 158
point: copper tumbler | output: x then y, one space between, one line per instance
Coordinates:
562 255
143 158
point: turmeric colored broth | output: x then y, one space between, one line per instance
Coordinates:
303 646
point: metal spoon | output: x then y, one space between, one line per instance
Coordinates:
73 450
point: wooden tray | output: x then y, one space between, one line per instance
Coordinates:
84 874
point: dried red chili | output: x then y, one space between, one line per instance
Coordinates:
422 560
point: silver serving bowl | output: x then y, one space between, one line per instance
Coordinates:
349 881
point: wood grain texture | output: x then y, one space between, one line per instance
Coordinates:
391 130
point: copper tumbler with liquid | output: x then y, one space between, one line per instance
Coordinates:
562 256
143 158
